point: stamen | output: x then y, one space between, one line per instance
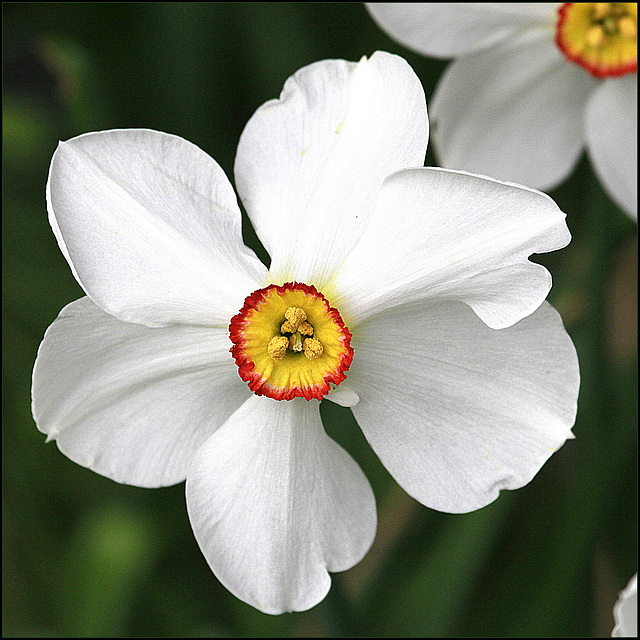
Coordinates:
601 9
300 338
628 27
287 327
305 329
595 36
277 347
312 348
303 323
295 316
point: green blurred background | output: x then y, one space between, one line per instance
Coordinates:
84 556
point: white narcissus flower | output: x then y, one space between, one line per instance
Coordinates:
402 291
531 86
625 611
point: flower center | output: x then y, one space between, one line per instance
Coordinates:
288 342
602 37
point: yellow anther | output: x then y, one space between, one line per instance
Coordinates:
628 27
277 347
312 348
295 342
296 335
305 329
295 315
287 327
595 36
601 10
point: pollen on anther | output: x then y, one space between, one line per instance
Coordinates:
600 10
287 327
268 343
295 316
312 348
305 329
277 347
628 27
595 36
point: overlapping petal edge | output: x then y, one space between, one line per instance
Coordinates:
459 86
246 367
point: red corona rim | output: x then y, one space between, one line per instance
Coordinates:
283 359
600 37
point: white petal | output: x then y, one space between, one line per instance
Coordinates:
457 411
447 29
343 395
611 122
513 112
130 402
625 611
446 234
275 504
310 164
151 228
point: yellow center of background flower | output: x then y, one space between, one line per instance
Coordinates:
602 37
289 342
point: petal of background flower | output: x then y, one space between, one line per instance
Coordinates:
625 611
611 121
310 164
448 29
448 234
275 504
457 411
513 112
151 228
130 402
